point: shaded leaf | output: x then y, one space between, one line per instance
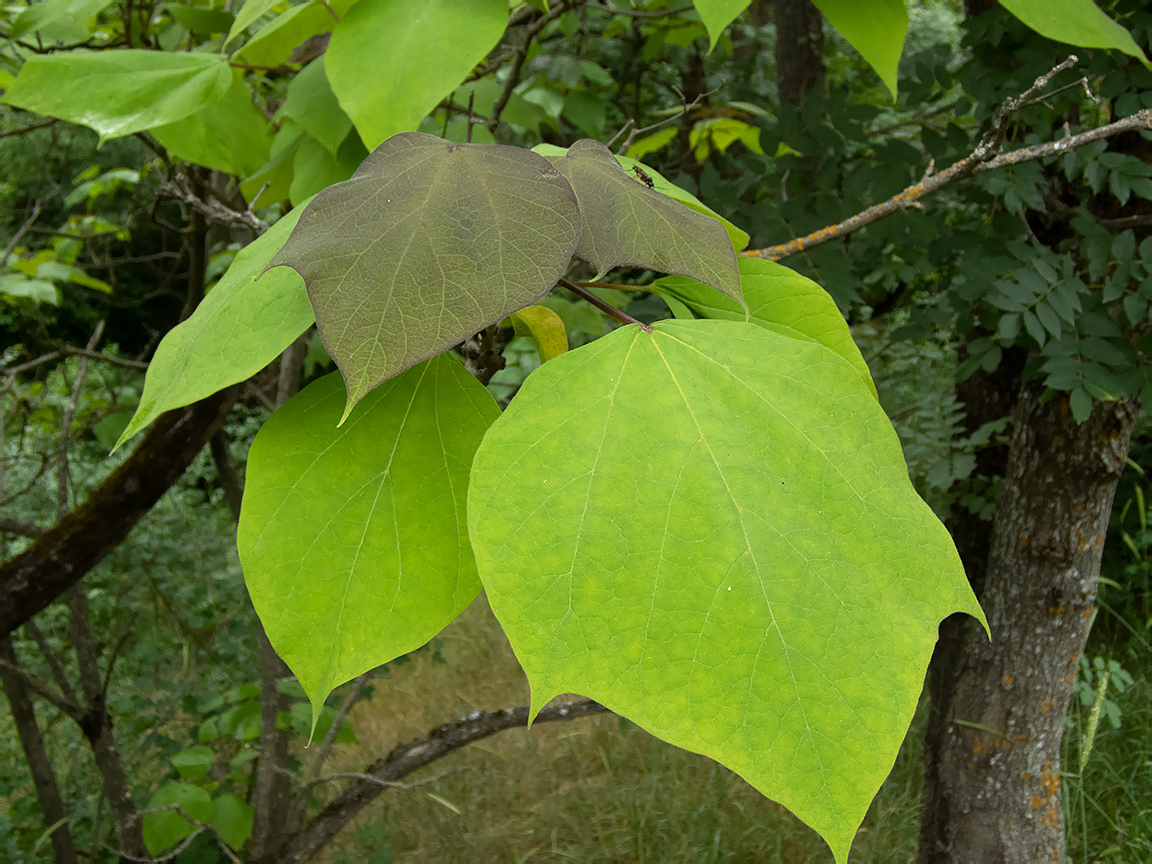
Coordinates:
1074 22
232 819
625 222
120 92
167 828
353 539
710 529
779 299
391 61
875 29
40 17
231 135
277 39
311 103
314 168
240 327
428 243
193 763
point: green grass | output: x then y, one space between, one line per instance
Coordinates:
599 789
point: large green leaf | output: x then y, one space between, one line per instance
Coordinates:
718 14
391 61
232 819
120 92
876 29
625 222
1074 22
231 135
353 539
238 329
311 103
779 299
428 243
710 529
49 16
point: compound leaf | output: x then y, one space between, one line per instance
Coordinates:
625 222
239 328
778 299
120 92
426 244
353 539
710 529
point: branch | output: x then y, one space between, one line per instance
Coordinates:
9 525
64 553
607 308
20 233
11 133
518 62
71 709
409 757
178 188
976 163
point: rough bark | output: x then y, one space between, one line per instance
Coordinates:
799 50
994 791
40 766
76 544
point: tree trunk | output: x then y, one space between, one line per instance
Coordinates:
40 766
799 50
992 788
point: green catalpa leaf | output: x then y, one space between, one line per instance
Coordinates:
1074 22
67 16
710 529
231 135
778 299
239 328
389 63
876 29
625 222
167 827
251 12
310 103
718 14
315 168
428 243
120 92
277 39
353 539
273 181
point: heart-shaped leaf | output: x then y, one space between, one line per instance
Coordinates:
426 244
353 539
710 529
779 299
625 222
239 328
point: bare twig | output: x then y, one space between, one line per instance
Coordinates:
11 133
99 355
20 233
407 758
387 784
200 826
983 159
640 13
178 187
41 689
54 665
633 131
518 62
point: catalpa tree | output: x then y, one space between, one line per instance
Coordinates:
703 524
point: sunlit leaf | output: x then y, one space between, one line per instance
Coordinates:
625 222
876 29
1074 22
718 14
315 168
353 539
778 299
276 40
47 15
391 61
120 92
428 243
710 529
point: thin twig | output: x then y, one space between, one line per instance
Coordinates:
518 63
8 525
107 358
387 784
640 131
177 187
26 129
20 233
45 692
640 13
607 308
201 827
54 664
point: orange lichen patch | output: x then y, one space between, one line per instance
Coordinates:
1051 817
1023 541
1068 679
1074 657
1025 776
1046 706
1006 681
1047 801
1056 610
1087 613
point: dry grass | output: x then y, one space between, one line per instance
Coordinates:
598 789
